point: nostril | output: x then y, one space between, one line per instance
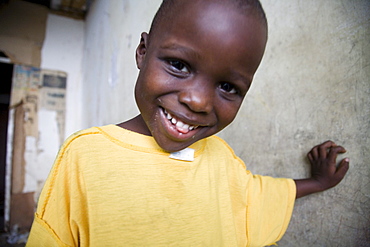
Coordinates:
197 101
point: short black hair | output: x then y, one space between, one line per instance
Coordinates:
245 6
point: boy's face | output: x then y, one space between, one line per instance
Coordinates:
195 70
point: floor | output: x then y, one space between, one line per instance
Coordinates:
6 240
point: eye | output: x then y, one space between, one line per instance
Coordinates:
179 66
228 87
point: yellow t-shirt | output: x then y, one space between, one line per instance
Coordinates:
113 187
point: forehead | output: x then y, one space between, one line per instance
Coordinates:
206 25
172 10
209 15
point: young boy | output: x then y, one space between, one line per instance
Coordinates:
163 178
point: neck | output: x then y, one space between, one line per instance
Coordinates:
136 124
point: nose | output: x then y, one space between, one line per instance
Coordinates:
197 98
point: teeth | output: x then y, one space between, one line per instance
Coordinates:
179 125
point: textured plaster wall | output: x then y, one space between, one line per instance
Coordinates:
313 85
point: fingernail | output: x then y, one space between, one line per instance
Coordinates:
346 160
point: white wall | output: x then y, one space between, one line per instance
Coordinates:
113 31
63 50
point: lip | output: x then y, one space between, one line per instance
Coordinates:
173 132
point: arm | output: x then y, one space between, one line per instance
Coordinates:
325 173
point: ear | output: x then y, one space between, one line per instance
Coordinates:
141 50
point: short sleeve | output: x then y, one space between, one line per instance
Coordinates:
269 209
42 235
59 219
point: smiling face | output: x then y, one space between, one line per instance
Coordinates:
195 70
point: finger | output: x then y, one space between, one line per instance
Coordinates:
323 148
314 153
333 153
342 169
309 156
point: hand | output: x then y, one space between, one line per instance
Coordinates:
324 171
323 164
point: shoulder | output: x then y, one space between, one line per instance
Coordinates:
217 144
90 133
220 150
83 133
83 140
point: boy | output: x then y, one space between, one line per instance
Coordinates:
162 178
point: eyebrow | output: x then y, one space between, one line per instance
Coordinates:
179 48
243 78
172 46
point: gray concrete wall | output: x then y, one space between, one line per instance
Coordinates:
313 85
113 31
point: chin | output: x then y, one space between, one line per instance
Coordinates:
171 146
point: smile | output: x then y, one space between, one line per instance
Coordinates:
179 125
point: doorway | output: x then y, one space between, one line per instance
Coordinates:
6 74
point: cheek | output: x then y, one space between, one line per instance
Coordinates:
227 113
145 86
154 81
